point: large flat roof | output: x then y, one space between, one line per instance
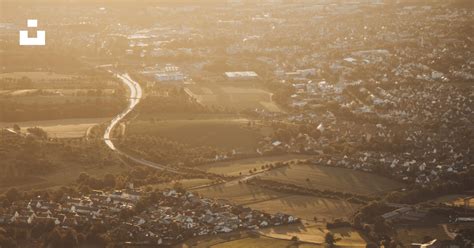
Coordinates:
237 74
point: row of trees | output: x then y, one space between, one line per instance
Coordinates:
292 188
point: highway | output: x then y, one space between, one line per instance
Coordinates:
136 94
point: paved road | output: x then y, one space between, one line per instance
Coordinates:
446 230
136 94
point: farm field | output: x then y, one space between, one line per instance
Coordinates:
34 96
185 116
185 183
331 178
261 242
239 97
242 239
310 235
220 133
234 168
314 233
36 75
56 99
411 235
306 207
455 200
51 93
239 193
65 128
56 81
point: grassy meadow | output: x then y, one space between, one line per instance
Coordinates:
332 178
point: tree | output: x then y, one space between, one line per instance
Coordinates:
54 238
6 241
13 195
380 225
38 132
24 83
109 181
94 239
70 239
329 239
371 245
427 239
16 128
83 177
178 186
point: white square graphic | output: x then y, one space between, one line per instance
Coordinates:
27 39
32 23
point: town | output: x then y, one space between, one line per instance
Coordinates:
234 123
166 218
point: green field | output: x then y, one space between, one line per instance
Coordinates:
225 134
332 178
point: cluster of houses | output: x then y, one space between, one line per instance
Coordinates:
69 212
417 131
177 216
169 218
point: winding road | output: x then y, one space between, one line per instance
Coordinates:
136 94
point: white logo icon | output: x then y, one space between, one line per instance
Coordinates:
39 40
